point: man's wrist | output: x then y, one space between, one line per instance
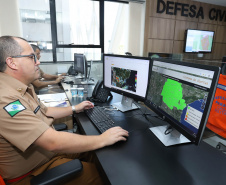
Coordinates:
73 109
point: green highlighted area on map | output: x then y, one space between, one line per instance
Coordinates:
172 95
202 42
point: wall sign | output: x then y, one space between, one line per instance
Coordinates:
187 10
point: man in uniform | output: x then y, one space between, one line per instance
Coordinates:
52 79
28 143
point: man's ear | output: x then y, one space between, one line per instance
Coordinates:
11 63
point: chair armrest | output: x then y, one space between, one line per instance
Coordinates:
58 174
60 126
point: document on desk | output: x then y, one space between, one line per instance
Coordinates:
52 97
57 104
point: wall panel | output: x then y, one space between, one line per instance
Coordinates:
161 28
206 8
165 33
160 46
220 37
180 28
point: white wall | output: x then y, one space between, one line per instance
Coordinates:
136 28
10 18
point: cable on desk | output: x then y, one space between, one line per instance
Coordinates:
144 112
151 115
168 130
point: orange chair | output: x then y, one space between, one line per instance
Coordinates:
217 116
1 181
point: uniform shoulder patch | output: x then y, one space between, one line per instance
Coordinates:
14 107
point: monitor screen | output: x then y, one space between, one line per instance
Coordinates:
126 75
160 55
80 64
182 94
198 41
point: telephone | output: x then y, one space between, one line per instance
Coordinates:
71 71
99 93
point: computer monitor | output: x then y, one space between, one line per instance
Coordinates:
198 41
81 66
160 55
181 93
126 75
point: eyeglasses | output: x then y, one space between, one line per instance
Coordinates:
33 56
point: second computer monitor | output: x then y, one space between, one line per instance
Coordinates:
126 75
80 64
181 93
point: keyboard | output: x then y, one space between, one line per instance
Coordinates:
69 78
99 118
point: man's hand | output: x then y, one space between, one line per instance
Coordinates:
114 135
58 80
82 106
63 74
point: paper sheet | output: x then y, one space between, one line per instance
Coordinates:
52 97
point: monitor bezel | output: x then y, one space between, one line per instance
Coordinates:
185 41
196 140
130 95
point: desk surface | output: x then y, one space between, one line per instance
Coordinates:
143 159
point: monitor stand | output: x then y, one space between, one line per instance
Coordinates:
86 80
172 138
125 105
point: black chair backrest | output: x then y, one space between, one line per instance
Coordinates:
223 66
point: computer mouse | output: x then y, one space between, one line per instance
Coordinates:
93 103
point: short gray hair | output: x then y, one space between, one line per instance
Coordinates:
34 47
8 47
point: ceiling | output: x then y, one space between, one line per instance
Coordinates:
215 2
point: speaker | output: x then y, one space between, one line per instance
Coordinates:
223 66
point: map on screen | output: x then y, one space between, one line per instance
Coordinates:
178 98
198 41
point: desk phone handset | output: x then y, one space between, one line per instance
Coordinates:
71 71
99 93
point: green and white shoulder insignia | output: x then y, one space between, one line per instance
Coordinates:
14 107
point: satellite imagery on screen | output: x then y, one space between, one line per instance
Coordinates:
199 41
124 78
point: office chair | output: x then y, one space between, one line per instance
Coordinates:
60 126
223 66
57 175
223 69
128 54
